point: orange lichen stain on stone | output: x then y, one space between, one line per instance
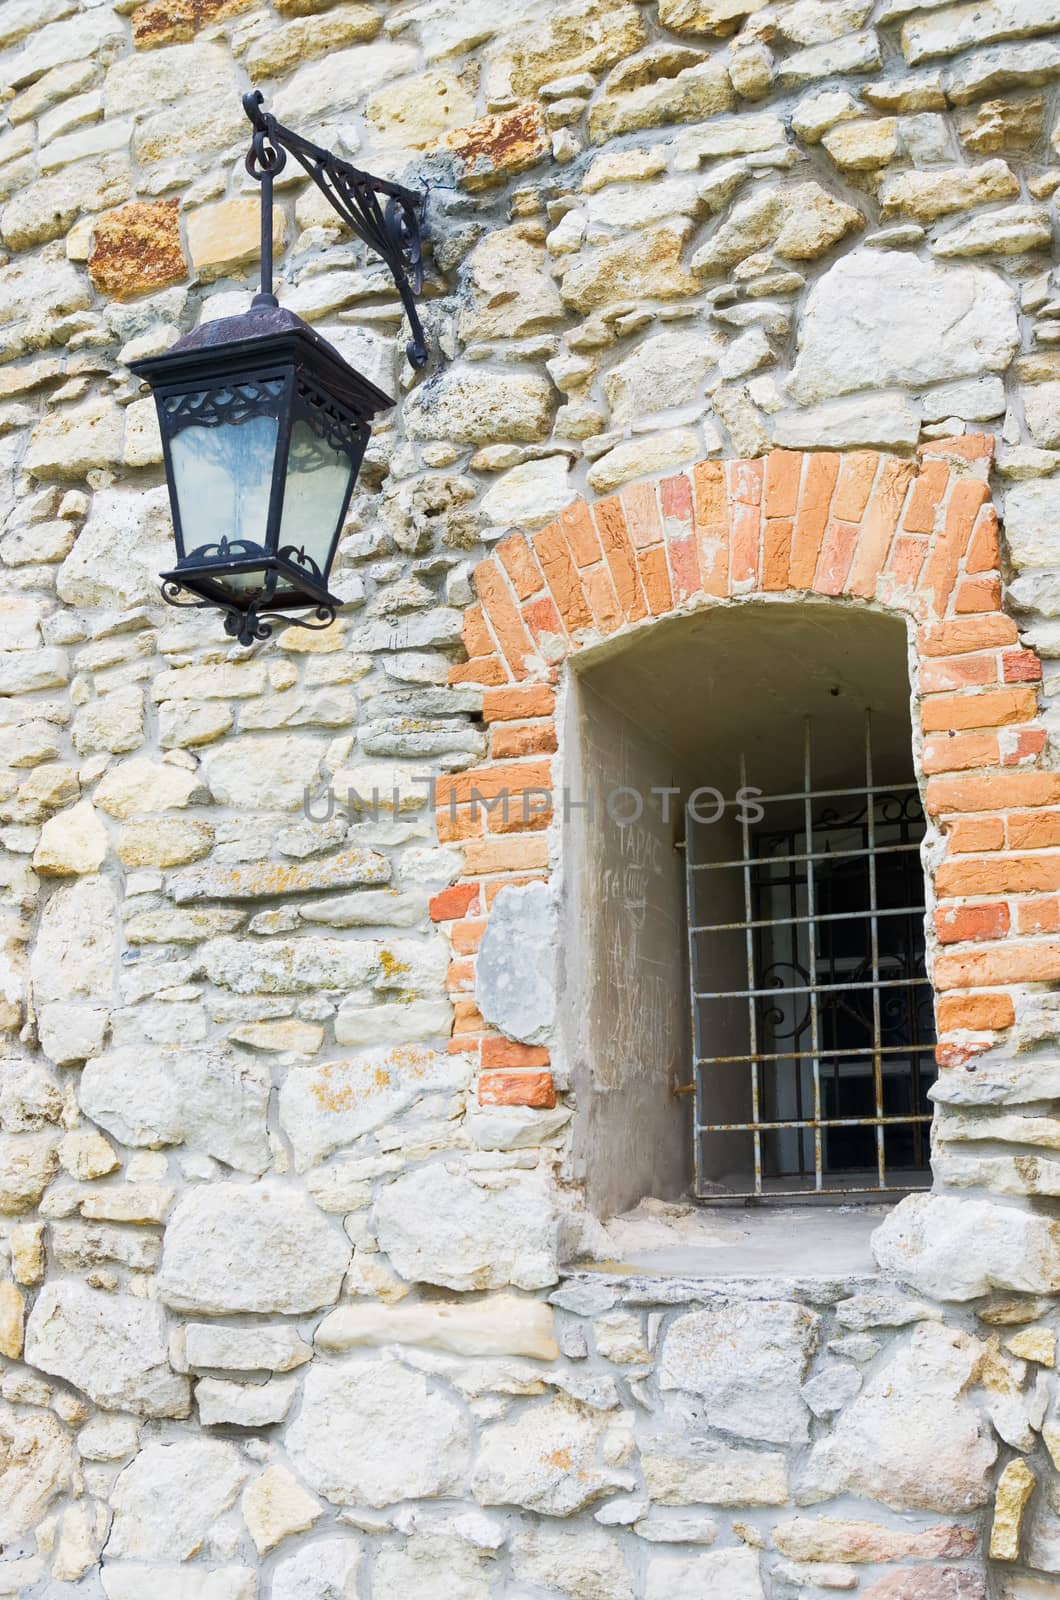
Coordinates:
137 248
560 1459
333 1095
495 147
391 966
175 21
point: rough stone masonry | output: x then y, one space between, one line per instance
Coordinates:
300 1298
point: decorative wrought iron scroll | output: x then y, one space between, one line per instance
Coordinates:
388 217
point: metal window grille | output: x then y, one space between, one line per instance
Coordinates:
812 1015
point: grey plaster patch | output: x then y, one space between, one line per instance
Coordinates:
516 977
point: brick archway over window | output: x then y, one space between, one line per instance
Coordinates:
917 538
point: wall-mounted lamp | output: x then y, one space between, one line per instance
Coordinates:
264 425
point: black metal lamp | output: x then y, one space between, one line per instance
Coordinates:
264 425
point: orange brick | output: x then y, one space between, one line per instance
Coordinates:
837 554
928 490
1021 666
714 560
878 526
486 670
908 554
966 447
985 708
710 496
500 1052
960 752
561 575
744 546
466 936
535 1089
461 1045
958 924
614 537
943 673
602 599
977 594
998 792
642 514
577 525
523 739
1026 744
819 481
1039 830
513 853
675 503
454 902
1038 961
684 567
487 782
655 578
460 977
972 633
511 880
783 472
776 554
543 624
478 640
515 643
973 835
998 874
1040 915
519 564
856 476
454 823
940 572
467 1018
984 554
975 1012
518 703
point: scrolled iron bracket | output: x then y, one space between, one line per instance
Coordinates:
389 218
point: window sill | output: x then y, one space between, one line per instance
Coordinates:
813 1243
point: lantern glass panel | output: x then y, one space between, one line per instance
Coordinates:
222 478
318 479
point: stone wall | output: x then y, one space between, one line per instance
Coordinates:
299 1297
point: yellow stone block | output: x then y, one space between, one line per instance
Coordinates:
1014 1489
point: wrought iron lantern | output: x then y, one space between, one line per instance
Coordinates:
264 425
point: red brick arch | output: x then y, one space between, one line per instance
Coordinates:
919 538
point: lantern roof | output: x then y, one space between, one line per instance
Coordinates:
264 333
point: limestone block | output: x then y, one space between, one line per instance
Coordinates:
259 880
502 1325
327 1106
290 966
22 671
888 420
163 842
71 843
647 266
942 1465
441 1227
142 785
373 1432
863 146
588 1563
85 1155
38 1464
179 136
408 1022
663 372
1015 1487
288 1034
481 408
12 1320
137 249
259 772
111 1346
168 1497
449 27
62 42
324 1570
825 1539
692 94
228 235
645 456
748 1362
44 210
114 723
20 619
126 541
924 196
855 52
417 114
945 32
493 149
1007 232
1014 123
734 1573
685 1472
1041 407
131 1580
271 1349
800 223
342 80
517 1459
108 1438
530 495
143 440
244 1405
881 318
1032 521
229 1247
509 293
209 1096
69 442
956 1249
73 955
571 39
282 49
71 1032
973 400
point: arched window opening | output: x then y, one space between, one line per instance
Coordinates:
749 1015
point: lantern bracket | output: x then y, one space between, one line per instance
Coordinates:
388 217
